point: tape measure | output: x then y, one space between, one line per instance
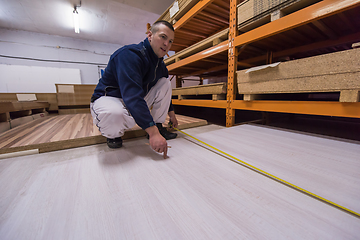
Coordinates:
275 178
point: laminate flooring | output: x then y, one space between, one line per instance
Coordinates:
67 131
95 192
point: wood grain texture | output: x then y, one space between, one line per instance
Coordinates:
184 7
198 47
215 88
132 193
331 72
326 167
81 95
43 97
254 13
57 132
14 106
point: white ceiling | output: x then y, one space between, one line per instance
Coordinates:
112 21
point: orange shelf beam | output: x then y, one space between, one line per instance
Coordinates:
232 65
336 109
312 13
192 13
304 16
200 103
221 47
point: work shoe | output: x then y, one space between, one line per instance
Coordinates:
165 133
114 142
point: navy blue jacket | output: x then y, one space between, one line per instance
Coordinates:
131 72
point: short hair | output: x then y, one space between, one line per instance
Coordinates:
155 26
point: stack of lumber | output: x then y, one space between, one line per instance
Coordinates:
254 13
74 98
184 7
42 97
217 90
198 47
333 72
58 132
15 113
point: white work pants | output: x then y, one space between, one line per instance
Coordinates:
112 118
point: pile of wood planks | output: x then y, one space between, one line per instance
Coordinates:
333 72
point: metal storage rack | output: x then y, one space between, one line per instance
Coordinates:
324 27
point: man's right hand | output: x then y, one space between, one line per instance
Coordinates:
157 142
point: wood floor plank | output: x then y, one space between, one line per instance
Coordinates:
46 132
74 128
37 134
21 133
133 193
70 126
326 167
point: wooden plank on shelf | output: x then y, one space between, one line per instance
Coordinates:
198 47
191 13
68 131
200 103
349 95
301 17
254 13
333 72
184 7
221 47
355 45
216 97
215 88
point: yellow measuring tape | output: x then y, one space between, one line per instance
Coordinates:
274 177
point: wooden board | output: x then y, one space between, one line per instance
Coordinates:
328 167
21 106
184 7
68 131
80 94
74 110
42 97
198 47
133 193
214 89
254 13
332 72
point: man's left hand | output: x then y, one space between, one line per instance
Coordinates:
173 119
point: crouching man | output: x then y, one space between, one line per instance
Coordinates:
134 89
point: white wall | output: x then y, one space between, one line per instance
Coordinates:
65 52
18 78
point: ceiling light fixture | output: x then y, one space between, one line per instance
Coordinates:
76 18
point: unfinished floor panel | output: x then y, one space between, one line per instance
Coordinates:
133 193
326 167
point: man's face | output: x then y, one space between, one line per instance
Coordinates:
161 40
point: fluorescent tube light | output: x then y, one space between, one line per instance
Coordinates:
76 21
